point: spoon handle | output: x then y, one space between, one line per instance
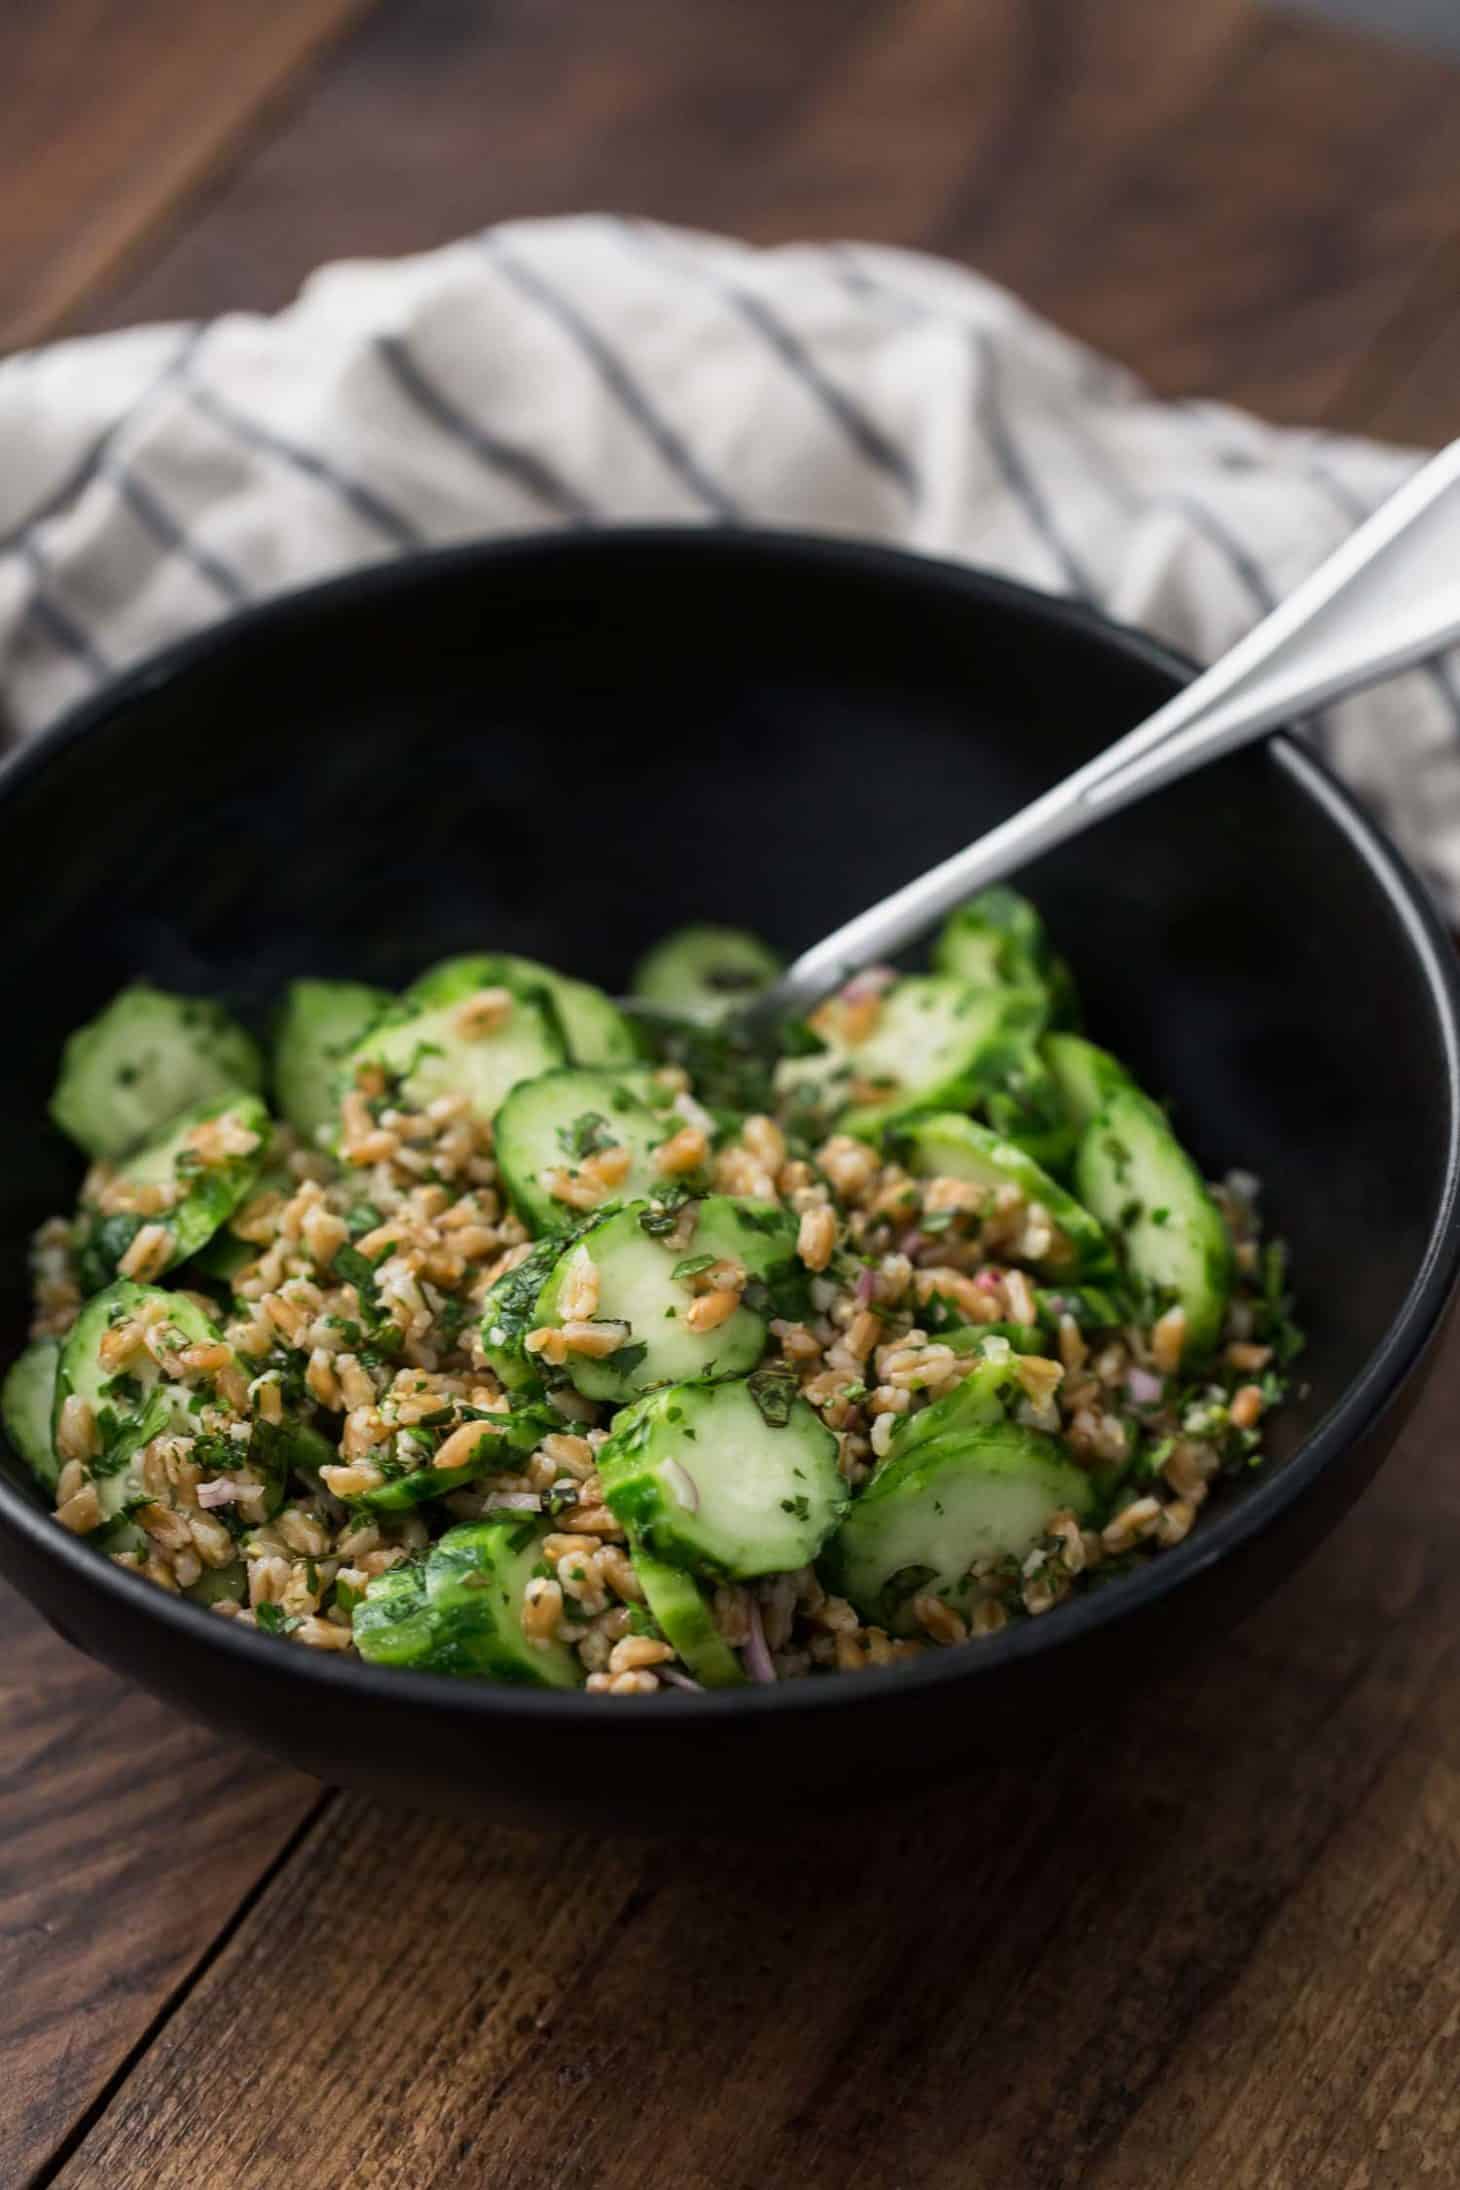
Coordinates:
1389 597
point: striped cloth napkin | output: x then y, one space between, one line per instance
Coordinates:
584 371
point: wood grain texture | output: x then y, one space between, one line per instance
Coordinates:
112 110
1214 1945
1236 203
130 1838
1408 387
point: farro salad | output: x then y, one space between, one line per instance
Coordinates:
531 1336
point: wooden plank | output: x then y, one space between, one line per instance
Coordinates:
1200 218
1407 387
114 110
445 120
130 1839
1176 185
1214 1944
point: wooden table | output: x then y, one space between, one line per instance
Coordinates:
1215 1943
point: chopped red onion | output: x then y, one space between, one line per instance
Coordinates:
757 1652
866 1288
679 1480
220 1492
914 1244
988 1281
513 1501
679 1680
1145 1388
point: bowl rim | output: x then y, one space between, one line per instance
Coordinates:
1361 1402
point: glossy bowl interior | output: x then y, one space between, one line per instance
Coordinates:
566 746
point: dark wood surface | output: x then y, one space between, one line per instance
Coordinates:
1214 1944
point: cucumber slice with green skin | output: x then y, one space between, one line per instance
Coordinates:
998 940
224 1256
927 1517
950 1146
225 1253
142 1060
1131 1170
392 1623
461 1612
279 1447
706 1480
1086 1076
136 1405
704 972
552 1123
425 1053
27 1405
220 1585
986 1397
505 1440
509 1312
638 1288
938 1044
596 1031
682 1611
1093 1307
209 1193
1027 1108
320 1024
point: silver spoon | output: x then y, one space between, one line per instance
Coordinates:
1388 598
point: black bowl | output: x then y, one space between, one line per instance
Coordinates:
565 746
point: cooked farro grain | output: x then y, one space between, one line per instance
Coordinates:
352 1355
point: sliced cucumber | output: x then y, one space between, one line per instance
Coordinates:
461 1613
222 1259
291 1445
427 1051
998 940
1093 1307
27 1405
682 1610
596 1031
645 1285
225 1253
1026 1106
392 1623
320 1024
548 1126
986 1397
712 1479
208 1192
949 1146
509 1312
937 1044
505 1439
1086 1076
703 972
1131 1170
134 1405
142 1060
928 1516
219 1584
